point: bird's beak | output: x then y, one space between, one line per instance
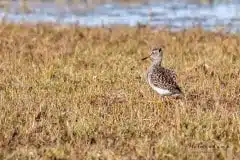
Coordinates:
146 57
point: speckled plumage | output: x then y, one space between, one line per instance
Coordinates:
161 79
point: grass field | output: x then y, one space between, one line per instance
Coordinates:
80 93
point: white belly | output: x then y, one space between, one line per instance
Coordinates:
162 92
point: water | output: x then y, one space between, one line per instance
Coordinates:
157 14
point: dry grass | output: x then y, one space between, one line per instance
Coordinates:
80 93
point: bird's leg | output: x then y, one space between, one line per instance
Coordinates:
167 100
162 98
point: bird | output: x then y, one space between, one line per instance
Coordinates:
161 79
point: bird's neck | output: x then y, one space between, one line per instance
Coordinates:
157 62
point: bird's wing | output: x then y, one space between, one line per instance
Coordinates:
171 74
165 78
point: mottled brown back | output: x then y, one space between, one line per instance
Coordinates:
164 78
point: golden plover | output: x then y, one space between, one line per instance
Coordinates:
161 79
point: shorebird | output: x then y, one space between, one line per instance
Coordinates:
161 79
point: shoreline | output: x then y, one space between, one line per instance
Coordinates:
217 29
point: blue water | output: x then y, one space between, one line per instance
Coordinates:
157 14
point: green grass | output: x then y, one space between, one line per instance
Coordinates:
80 93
